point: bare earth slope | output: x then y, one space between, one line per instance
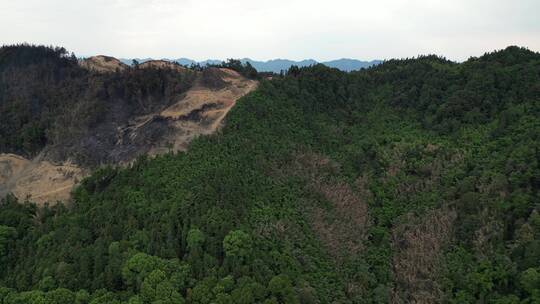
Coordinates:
102 63
200 111
161 64
39 181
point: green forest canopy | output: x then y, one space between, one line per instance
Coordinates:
413 181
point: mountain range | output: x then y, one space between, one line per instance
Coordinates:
275 65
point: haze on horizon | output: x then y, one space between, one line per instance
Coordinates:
292 29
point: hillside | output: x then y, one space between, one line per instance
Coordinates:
97 111
38 180
104 64
414 181
161 64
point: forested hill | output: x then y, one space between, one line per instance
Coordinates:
414 181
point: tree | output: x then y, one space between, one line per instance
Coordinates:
201 293
61 296
179 275
137 268
238 245
4 292
6 234
157 288
82 297
280 287
223 298
47 283
28 297
530 281
195 241
114 266
135 300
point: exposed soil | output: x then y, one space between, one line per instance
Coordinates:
199 111
38 180
103 64
161 64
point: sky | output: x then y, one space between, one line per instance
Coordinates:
262 30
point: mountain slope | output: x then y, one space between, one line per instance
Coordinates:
96 111
102 63
415 181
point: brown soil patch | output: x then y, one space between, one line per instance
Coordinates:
161 64
200 111
39 181
210 106
103 64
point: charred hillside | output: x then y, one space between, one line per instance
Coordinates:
95 111
51 103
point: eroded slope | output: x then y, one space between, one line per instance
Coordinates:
38 180
102 63
198 111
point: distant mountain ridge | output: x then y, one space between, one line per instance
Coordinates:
276 65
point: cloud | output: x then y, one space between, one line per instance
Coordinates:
295 29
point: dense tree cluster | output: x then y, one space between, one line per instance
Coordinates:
413 181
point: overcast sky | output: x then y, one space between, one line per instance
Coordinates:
293 29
